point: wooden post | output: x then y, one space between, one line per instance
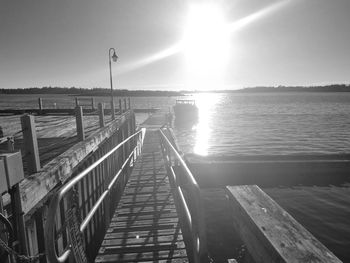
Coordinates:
112 109
93 103
125 104
80 124
10 144
101 114
120 106
40 101
3 228
31 150
129 103
76 102
19 218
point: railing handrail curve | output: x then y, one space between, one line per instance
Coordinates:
181 160
193 215
55 201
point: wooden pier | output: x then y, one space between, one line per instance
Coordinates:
127 195
145 226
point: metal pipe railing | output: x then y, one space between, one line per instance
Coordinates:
56 199
191 207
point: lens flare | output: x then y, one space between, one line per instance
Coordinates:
206 45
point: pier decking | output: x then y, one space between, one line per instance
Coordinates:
145 226
55 134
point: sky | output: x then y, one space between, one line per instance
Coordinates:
174 44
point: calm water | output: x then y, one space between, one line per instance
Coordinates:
265 124
282 124
269 124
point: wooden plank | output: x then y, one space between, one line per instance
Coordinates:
140 240
169 256
144 217
269 232
142 234
140 248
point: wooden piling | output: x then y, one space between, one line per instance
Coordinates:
79 122
31 150
101 114
76 102
10 144
92 103
125 104
120 106
112 109
40 102
129 103
19 218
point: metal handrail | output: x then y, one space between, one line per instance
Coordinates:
180 159
54 204
193 218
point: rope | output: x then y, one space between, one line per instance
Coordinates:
10 137
3 139
10 251
20 258
16 133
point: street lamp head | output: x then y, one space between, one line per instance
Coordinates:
114 57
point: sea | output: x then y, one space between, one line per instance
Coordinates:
306 125
264 125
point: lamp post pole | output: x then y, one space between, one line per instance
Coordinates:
113 57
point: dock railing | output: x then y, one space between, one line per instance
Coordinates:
187 199
101 208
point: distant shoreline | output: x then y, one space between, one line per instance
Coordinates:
166 93
92 92
263 89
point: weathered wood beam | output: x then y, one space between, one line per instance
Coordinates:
101 114
31 149
269 232
80 123
34 189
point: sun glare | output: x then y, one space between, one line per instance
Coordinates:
206 45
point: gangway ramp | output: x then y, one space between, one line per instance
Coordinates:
145 226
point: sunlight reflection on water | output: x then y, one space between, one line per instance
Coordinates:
205 103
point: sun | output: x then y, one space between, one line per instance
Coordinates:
206 46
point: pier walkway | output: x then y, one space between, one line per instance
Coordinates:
145 226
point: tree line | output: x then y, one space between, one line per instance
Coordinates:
90 92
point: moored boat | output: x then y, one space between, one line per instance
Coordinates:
186 110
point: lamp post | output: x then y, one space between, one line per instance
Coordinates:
113 57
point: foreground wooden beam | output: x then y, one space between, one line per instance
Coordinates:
269 232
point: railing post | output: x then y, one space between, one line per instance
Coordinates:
125 104
40 102
76 102
16 206
101 114
30 143
120 106
129 103
10 144
79 122
203 255
112 109
92 103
